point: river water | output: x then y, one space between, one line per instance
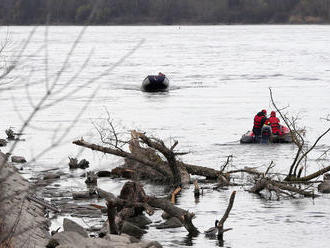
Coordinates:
219 76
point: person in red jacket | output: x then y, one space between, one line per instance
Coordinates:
258 122
275 123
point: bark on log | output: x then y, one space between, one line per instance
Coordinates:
112 217
209 173
265 182
120 153
184 216
221 223
109 197
148 158
309 177
169 155
191 169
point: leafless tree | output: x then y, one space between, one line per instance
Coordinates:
303 149
56 90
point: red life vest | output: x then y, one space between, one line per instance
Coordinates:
257 121
275 124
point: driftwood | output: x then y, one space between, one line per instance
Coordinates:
221 223
184 216
309 177
278 188
174 194
145 203
196 189
43 203
172 171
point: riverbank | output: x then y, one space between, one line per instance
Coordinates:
23 222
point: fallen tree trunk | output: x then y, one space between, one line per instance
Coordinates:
147 202
158 166
209 173
278 187
309 177
183 215
121 153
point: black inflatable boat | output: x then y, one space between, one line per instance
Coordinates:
153 83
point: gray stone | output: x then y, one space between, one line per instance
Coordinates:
140 220
103 174
324 187
165 215
151 244
51 176
3 142
71 226
32 225
83 195
18 159
75 240
326 177
131 229
172 222
124 238
91 178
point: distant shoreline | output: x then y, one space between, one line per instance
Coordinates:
174 24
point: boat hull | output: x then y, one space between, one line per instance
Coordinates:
155 83
249 137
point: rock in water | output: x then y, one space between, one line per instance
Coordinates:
132 229
51 176
91 178
324 187
3 142
140 220
103 174
172 222
18 159
71 226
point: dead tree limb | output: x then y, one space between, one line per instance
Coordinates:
221 223
209 173
223 167
174 194
312 147
302 151
311 176
121 153
184 216
271 185
168 153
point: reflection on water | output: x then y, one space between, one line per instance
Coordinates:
219 78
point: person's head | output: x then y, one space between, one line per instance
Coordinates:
264 111
267 122
273 114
